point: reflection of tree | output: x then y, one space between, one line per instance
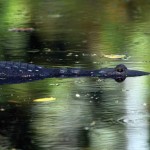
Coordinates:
62 29
14 124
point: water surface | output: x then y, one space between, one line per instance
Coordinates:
85 113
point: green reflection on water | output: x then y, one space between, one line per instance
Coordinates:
74 34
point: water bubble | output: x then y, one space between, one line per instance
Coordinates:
86 128
78 95
76 55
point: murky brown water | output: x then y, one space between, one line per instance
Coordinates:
83 113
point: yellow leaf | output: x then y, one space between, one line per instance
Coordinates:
115 56
48 99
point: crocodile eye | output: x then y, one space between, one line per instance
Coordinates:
121 68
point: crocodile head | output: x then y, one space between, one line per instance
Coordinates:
120 72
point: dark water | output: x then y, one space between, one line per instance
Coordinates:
85 113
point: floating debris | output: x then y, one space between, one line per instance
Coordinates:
92 123
77 62
76 55
144 104
86 128
21 29
13 101
93 55
113 56
69 54
2 109
54 84
33 51
84 54
47 49
48 99
55 16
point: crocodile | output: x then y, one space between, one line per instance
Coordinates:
18 72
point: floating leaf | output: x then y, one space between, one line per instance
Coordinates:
48 99
21 29
115 56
